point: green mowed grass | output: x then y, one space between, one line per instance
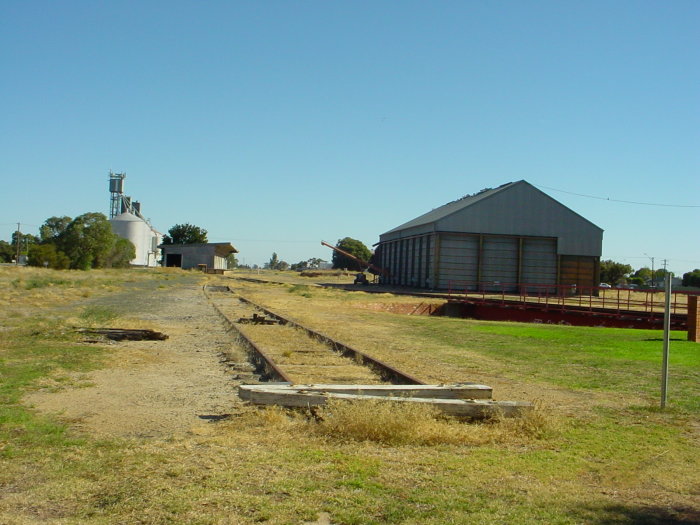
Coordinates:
623 361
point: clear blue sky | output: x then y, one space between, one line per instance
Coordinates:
275 125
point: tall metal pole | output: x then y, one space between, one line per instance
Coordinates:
653 279
19 237
667 339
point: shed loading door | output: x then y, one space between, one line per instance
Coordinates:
458 261
539 263
579 270
499 265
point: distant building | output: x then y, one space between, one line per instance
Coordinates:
498 239
127 221
213 255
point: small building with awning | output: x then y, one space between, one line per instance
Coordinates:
207 256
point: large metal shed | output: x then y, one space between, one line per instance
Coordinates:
498 239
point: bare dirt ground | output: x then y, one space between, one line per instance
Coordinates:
156 388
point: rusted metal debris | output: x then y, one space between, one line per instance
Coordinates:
257 319
125 334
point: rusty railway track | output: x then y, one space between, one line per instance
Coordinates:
269 370
264 365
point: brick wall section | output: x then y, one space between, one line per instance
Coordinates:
693 319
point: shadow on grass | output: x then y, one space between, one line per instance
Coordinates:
639 515
660 339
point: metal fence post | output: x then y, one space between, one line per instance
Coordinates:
667 336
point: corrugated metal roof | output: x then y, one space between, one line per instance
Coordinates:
465 202
450 208
222 249
513 209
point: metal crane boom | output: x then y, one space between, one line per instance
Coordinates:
377 269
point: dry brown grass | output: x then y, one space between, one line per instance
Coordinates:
393 423
306 360
28 288
326 273
389 423
293 277
362 464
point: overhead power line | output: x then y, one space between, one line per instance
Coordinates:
620 200
14 224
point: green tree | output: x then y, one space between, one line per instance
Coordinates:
300 266
310 264
636 280
353 247
121 253
314 263
47 255
231 261
7 252
88 241
643 273
185 234
273 263
692 278
660 276
25 241
612 272
53 228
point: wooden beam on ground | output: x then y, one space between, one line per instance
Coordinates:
446 391
460 408
125 334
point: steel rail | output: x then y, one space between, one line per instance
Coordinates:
264 365
384 370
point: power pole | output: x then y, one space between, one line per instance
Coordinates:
19 236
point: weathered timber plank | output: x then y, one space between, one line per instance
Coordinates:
122 334
447 391
461 408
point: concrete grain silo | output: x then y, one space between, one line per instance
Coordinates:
144 238
128 222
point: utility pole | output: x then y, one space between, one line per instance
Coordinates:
19 236
667 340
653 279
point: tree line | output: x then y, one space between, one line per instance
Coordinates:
616 273
88 242
339 261
82 243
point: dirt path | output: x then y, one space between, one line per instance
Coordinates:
156 388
